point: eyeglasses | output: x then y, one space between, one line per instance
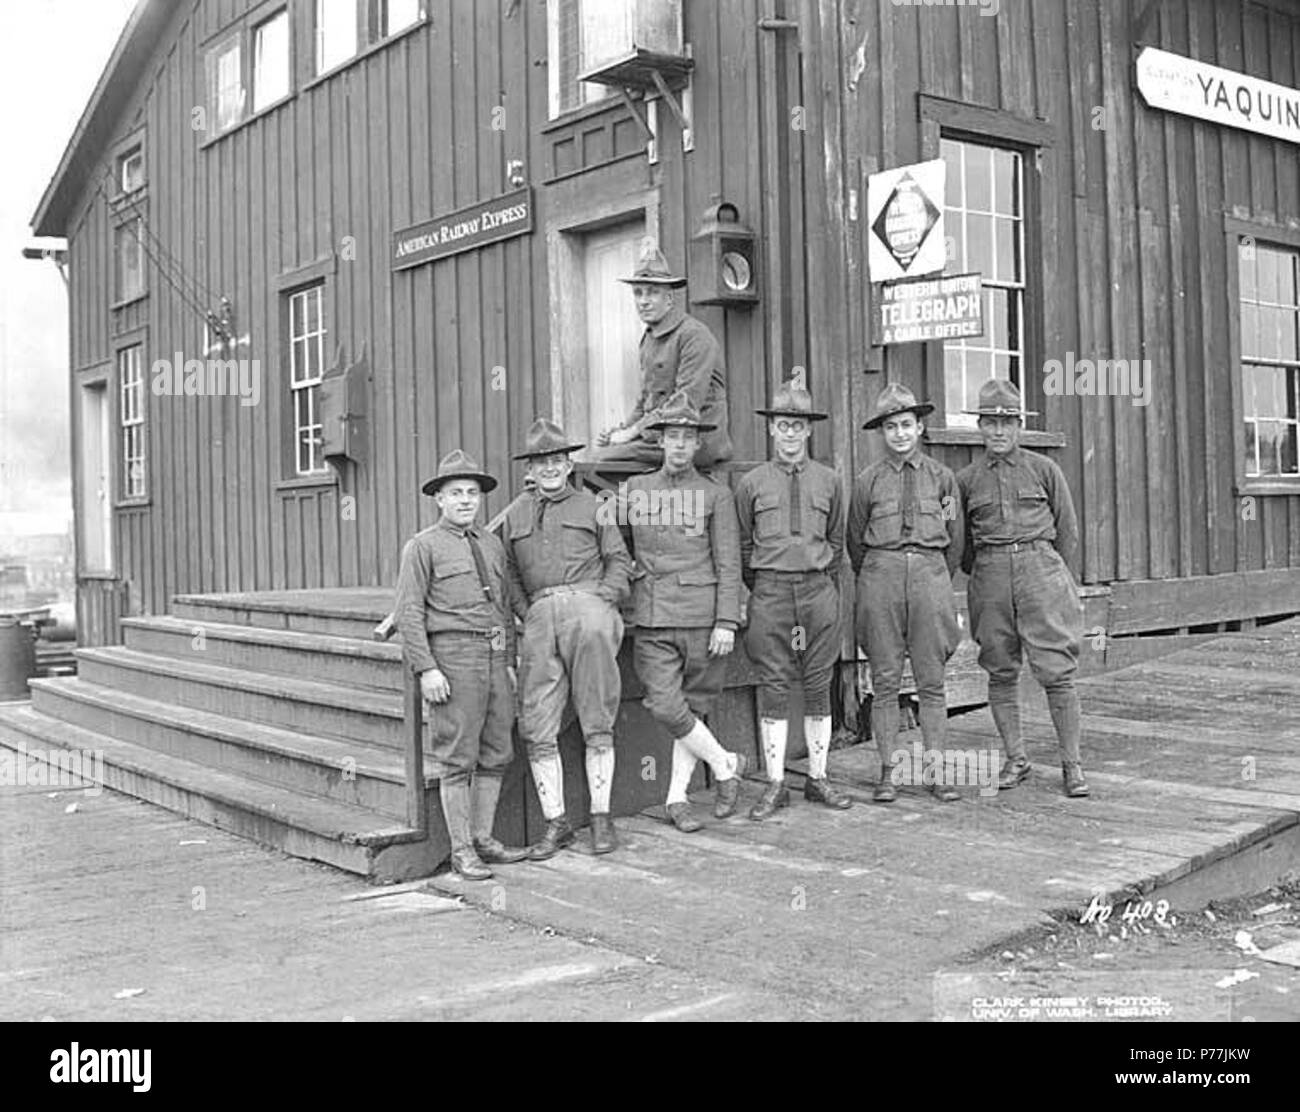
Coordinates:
785 428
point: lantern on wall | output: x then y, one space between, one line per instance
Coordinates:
724 260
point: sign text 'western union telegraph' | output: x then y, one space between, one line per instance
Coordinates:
480 224
931 309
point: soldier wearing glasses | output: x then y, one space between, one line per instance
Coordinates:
569 571
791 514
458 636
686 596
1021 533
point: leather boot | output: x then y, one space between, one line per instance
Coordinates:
1076 787
493 852
775 796
604 838
728 791
1014 773
821 791
467 865
945 793
681 817
885 791
559 833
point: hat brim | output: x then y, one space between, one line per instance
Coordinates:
486 483
698 427
674 282
1000 411
773 413
921 409
563 450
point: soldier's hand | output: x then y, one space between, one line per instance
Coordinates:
602 438
434 687
722 641
514 679
623 436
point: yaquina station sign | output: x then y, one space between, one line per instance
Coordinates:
480 224
1191 88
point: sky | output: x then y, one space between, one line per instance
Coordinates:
52 53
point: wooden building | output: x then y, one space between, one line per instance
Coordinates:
409 216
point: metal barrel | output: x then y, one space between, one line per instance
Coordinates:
17 658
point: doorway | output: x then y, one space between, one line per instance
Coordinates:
95 486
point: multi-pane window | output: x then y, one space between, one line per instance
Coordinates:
306 366
565 39
336 32
226 98
984 219
128 256
1270 359
130 377
130 170
271 60
392 16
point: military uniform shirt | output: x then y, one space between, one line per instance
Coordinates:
563 541
684 532
680 353
882 516
763 508
1015 499
439 591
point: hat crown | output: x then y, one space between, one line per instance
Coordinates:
679 410
794 398
545 437
895 398
1001 395
456 463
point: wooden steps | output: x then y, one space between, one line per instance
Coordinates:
275 717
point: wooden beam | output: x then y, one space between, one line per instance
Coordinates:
1144 605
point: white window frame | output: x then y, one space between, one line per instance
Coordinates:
382 26
304 382
566 93
1014 289
227 91
321 61
133 157
1253 359
131 420
283 60
129 231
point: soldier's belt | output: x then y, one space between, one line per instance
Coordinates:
777 573
911 550
567 589
1018 546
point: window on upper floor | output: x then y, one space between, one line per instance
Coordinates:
390 16
271 79
128 259
1269 294
226 95
984 219
336 32
130 170
565 20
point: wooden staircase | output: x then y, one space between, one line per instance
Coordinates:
274 716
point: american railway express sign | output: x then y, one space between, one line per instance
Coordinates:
479 224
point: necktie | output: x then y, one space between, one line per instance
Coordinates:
796 508
480 565
909 499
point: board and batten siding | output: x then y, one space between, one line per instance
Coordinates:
1133 261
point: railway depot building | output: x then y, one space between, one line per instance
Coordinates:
314 245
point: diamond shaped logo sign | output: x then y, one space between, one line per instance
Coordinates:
905 210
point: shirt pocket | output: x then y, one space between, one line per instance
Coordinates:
819 503
456 584
1032 507
932 522
580 545
768 516
885 525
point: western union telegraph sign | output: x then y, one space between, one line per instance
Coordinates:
480 224
931 309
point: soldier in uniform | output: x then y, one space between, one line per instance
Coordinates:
905 540
458 635
678 352
686 597
791 514
1021 533
569 569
